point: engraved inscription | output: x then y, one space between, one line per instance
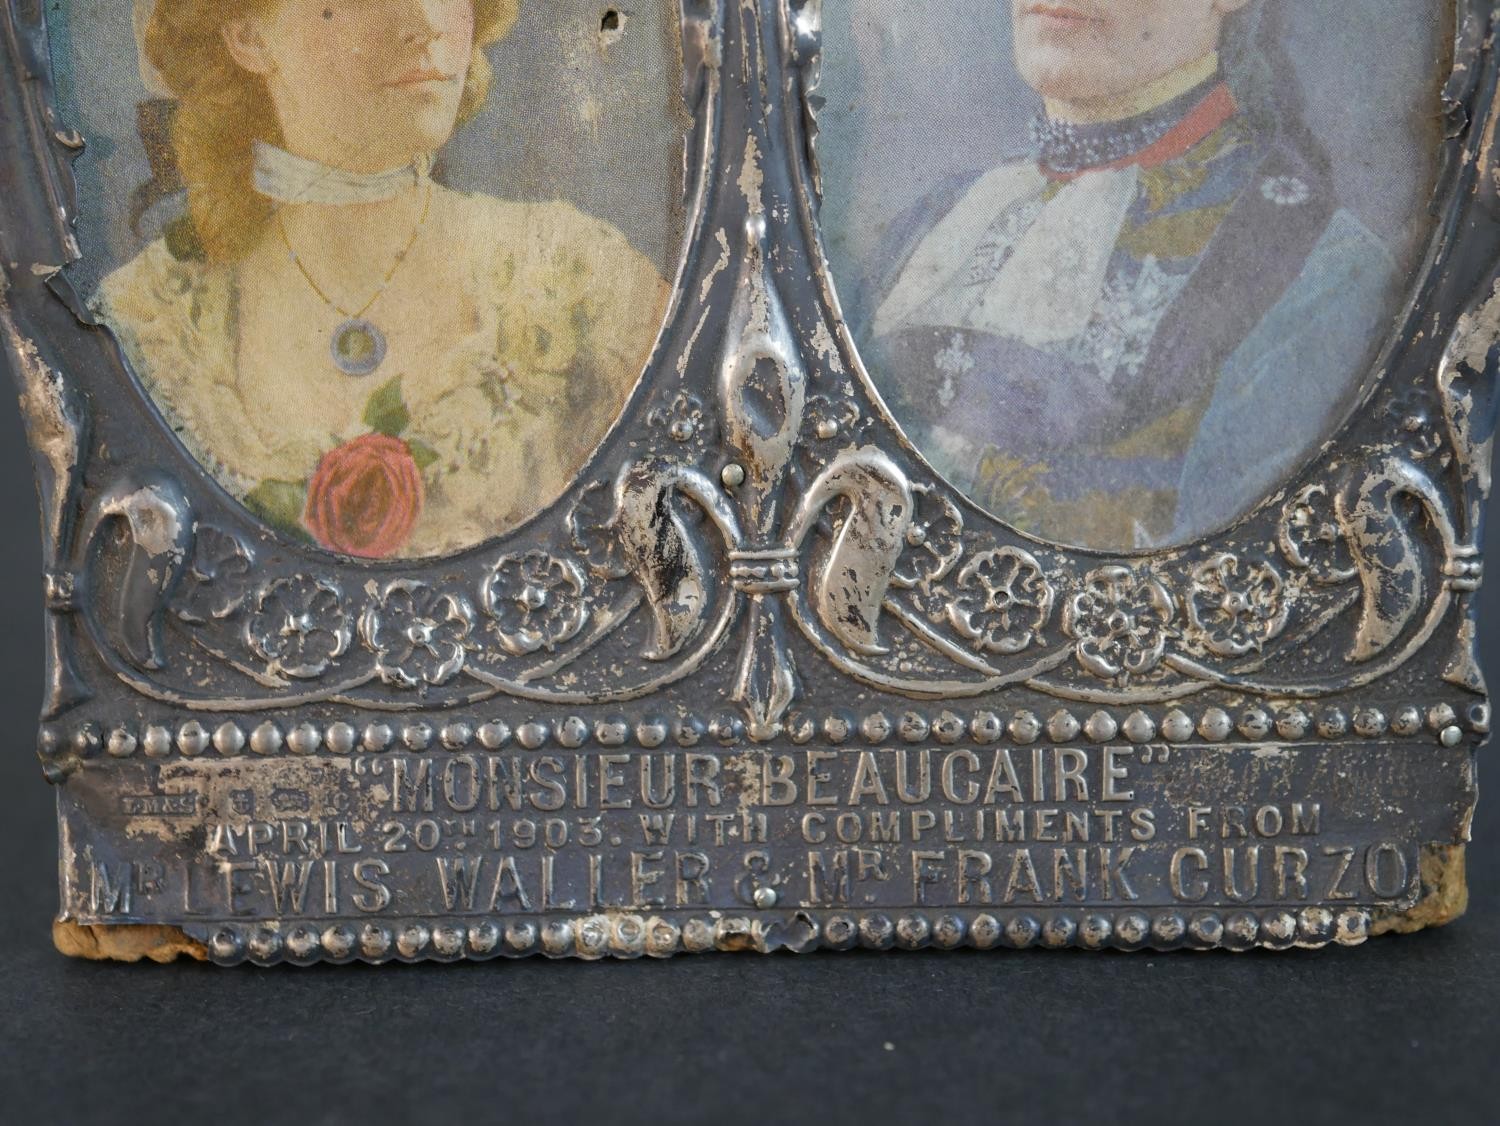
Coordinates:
526 834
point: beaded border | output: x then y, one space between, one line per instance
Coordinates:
61 748
628 935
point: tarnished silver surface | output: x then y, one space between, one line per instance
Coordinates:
760 679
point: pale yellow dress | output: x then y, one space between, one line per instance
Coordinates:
504 417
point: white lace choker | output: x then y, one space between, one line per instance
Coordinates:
287 178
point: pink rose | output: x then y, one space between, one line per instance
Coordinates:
365 496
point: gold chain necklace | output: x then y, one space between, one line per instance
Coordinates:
357 346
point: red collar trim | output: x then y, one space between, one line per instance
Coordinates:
1217 107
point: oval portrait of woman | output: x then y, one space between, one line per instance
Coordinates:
389 268
1142 253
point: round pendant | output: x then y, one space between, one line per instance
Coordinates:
357 347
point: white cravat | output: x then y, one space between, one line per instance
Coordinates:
1050 286
1054 277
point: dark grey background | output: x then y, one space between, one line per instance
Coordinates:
1401 1029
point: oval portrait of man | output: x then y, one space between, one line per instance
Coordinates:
1141 254
389 268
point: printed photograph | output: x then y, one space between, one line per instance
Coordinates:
1142 254
389 268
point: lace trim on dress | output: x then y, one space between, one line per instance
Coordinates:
509 411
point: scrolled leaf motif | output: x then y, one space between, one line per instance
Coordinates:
1230 614
299 626
419 635
1003 602
1120 622
851 583
536 601
1376 512
157 521
657 546
1365 528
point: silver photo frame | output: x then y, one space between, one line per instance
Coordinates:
760 677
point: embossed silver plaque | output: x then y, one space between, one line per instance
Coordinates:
585 480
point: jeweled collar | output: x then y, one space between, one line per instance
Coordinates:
288 178
1066 149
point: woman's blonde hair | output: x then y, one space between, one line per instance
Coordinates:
223 109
